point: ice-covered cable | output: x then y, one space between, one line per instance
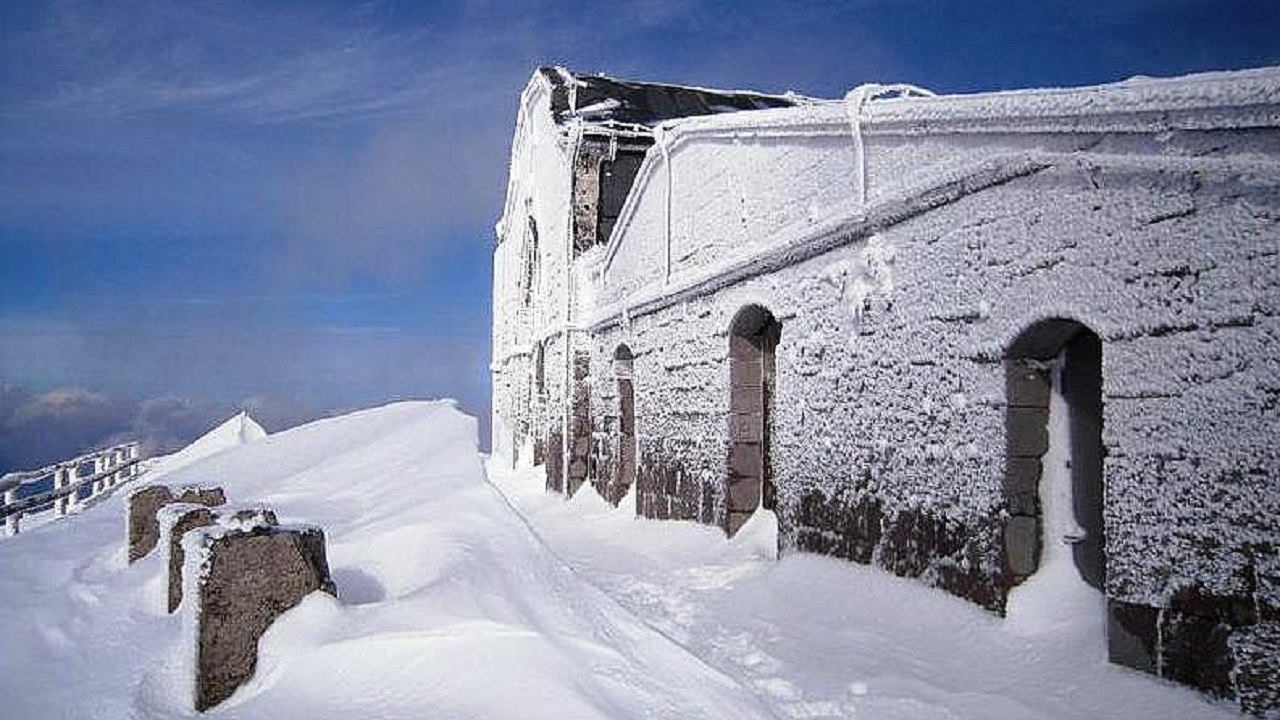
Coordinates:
854 101
660 138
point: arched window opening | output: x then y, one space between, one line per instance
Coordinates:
1053 478
539 370
753 339
531 258
626 473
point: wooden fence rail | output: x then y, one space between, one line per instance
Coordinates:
106 469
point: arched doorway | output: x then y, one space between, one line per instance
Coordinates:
626 473
1053 478
753 339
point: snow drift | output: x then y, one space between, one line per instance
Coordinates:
238 430
448 606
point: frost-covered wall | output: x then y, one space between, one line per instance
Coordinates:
904 246
531 284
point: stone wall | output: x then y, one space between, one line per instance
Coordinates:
894 444
531 281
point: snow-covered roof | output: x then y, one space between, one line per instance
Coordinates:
1229 99
602 99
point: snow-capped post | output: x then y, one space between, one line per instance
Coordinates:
144 504
174 520
62 476
239 576
117 462
14 519
72 478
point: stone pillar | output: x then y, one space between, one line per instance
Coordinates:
174 520
579 467
243 578
555 458
145 502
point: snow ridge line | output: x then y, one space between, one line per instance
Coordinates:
565 565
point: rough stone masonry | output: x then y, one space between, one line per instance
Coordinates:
243 577
143 505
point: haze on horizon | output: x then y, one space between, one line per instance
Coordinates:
289 206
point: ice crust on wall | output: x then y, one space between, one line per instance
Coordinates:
1159 236
904 244
537 189
910 389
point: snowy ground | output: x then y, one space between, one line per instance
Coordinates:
817 637
453 605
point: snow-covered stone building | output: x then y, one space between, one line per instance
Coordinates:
967 339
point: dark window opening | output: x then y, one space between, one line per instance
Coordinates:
1030 380
753 339
530 260
539 370
616 179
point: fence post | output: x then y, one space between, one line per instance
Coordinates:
59 482
73 477
12 522
130 455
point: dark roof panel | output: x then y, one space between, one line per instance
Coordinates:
602 99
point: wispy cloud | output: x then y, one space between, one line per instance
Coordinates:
41 428
248 63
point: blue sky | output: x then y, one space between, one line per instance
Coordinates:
289 206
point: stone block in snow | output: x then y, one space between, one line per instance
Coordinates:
144 504
244 575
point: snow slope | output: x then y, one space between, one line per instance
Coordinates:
449 606
238 430
453 605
